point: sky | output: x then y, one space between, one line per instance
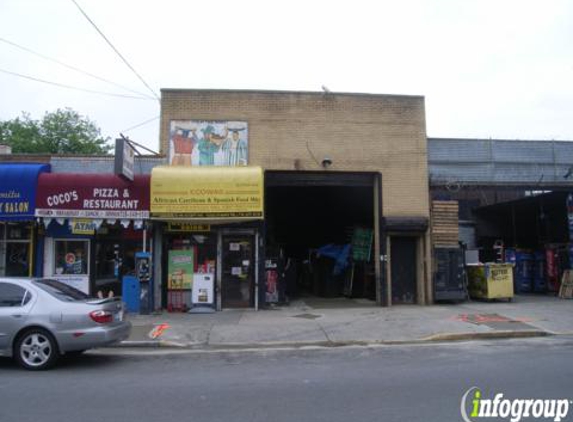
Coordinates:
499 69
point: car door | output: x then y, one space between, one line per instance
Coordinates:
15 304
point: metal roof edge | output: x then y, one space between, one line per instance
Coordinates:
262 91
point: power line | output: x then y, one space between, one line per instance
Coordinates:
133 97
141 124
116 51
71 67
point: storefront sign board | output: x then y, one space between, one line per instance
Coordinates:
83 226
92 196
124 158
18 190
207 192
188 227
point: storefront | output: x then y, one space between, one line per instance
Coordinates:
208 224
17 229
339 167
534 233
92 226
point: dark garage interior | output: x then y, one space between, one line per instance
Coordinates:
304 216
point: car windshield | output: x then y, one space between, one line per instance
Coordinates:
60 290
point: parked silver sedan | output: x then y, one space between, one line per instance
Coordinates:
41 319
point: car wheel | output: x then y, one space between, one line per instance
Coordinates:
36 349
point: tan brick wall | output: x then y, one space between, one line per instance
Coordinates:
359 132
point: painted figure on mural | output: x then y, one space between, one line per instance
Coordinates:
183 143
235 149
209 144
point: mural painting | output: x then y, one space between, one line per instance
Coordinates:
208 143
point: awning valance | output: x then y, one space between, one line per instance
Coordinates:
18 183
207 193
96 196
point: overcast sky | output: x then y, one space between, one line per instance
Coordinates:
487 68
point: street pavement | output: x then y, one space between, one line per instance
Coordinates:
414 383
341 322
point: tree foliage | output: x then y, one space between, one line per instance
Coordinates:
64 131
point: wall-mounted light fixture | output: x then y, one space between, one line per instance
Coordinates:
326 162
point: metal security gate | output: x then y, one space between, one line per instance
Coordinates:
403 267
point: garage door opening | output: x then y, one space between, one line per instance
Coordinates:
534 234
312 221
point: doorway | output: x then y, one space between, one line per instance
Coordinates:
238 270
403 268
312 219
114 257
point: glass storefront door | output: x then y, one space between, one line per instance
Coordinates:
237 283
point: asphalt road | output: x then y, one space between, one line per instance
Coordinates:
392 383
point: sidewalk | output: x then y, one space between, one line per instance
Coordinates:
300 324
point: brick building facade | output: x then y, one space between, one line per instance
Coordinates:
334 135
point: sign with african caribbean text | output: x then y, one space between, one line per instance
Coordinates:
211 193
208 143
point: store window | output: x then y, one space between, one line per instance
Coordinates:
188 255
18 231
107 260
15 249
72 257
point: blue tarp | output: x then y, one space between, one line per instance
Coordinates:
18 182
340 253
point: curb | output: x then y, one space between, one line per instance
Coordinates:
138 343
435 338
502 334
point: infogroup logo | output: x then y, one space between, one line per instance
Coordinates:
515 410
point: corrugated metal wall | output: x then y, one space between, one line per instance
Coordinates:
476 161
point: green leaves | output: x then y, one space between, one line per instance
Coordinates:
64 131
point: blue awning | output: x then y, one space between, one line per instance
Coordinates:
18 182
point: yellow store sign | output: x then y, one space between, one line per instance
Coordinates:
82 226
188 227
179 192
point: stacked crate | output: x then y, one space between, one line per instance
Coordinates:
449 272
445 225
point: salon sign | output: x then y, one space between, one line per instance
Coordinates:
18 184
13 203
